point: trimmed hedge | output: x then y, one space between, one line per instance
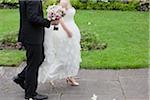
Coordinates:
99 5
9 1
88 4
11 4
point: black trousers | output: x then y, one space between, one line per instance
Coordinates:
35 57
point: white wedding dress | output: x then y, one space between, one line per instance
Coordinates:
62 54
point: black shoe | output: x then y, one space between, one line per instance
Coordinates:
37 97
19 81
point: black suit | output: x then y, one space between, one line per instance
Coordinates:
31 34
32 22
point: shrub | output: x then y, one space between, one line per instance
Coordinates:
9 4
99 5
9 38
88 42
8 41
113 6
85 4
91 42
9 1
84 1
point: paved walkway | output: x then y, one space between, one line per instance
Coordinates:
105 84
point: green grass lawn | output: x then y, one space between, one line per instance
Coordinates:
11 57
126 34
9 21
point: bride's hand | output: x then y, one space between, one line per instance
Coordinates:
69 34
56 22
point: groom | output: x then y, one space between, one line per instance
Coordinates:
31 36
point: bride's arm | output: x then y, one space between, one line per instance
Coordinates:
69 33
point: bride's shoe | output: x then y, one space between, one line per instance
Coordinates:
72 82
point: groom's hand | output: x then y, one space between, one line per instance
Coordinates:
56 22
19 45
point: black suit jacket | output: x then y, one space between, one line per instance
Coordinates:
32 22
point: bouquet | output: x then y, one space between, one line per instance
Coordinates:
55 12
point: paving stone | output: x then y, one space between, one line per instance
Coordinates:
85 88
21 97
137 98
63 87
89 97
134 73
135 87
98 75
76 97
105 88
106 84
12 97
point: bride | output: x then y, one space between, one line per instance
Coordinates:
62 49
